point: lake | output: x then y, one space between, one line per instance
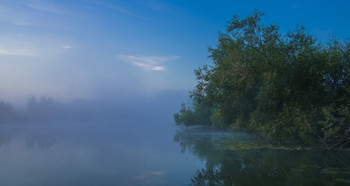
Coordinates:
156 152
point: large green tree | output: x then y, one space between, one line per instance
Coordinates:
286 87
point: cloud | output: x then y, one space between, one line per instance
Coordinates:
116 8
14 15
17 52
47 8
159 68
147 62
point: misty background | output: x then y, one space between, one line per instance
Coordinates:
88 88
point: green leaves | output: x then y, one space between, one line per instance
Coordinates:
287 87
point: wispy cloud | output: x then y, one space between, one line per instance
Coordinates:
14 15
30 12
17 52
147 62
118 8
47 8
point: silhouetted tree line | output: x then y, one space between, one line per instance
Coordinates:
45 109
286 87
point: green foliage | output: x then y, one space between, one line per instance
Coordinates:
217 119
187 116
286 87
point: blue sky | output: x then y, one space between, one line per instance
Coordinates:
88 49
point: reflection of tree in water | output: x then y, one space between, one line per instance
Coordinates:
261 166
41 141
197 140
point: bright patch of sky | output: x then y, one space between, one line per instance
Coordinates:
93 48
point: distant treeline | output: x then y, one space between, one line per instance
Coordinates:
45 109
136 107
287 87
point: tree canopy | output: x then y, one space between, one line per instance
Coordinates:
286 87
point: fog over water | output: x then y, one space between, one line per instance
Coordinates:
123 142
89 89
135 142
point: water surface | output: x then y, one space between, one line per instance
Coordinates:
156 153
97 153
243 159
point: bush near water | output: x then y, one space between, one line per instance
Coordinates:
286 87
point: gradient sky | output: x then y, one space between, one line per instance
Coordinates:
88 49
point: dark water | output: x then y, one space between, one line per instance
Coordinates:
242 159
156 153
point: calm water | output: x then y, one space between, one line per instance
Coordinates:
242 159
155 153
